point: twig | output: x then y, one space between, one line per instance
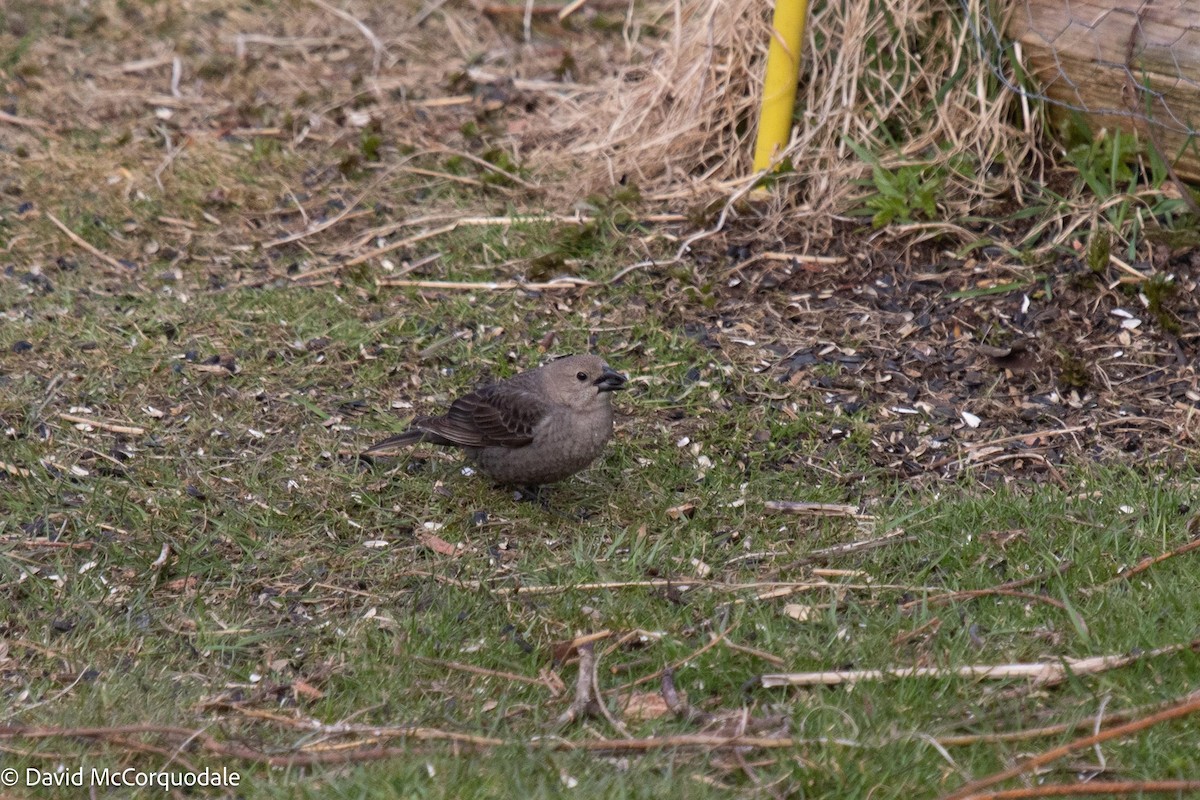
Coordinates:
581 706
387 248
1016 437
163 555
491 673
1189 705
58 696
341 215
816 509
747 186
570 8
367 33
131 430
964 739
452 226
770 658
1004 588
1147 563
490 286
52 545
517 179
690 741
169 159
27 122
897 536
680 707
1104 788
1045 674
598 701
240 751
717 638
83 244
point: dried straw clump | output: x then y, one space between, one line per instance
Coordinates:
902 78
681 111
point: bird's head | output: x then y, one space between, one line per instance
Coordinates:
581 382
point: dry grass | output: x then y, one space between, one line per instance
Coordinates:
902 78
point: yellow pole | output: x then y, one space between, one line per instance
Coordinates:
779 85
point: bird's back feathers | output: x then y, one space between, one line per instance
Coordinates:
500 415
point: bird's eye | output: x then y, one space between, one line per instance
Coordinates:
582 376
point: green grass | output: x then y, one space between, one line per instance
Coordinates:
234 570
269 581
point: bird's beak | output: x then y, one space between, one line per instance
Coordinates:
610 380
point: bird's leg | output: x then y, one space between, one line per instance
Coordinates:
539 495
532 494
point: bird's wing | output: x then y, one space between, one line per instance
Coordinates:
495 416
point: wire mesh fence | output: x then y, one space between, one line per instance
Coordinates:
1124 64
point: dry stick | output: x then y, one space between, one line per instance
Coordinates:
770 658
1037 598
1096 787
1043 674
132 430
240 751
419 237
473 221
678 706
309 758
897 536
26 122
489 286
32 543
586 679
385 249
489 165
1147 563
1189 705
816 509
963 739
367 33
653 676
675 742
82 244
1003 588
598 700
1019 436
490 673
169 755
343 214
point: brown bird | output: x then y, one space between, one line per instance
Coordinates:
535 428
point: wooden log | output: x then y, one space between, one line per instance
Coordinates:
1129 65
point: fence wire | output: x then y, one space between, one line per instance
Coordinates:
1133 60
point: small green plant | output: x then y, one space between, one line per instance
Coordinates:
1099 250
1102 163
901 194
264 148
370 143
1158 292
1073 372
505 167
1104 166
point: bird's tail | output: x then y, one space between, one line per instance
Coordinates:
385 448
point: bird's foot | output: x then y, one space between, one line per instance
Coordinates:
541 496
532 494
